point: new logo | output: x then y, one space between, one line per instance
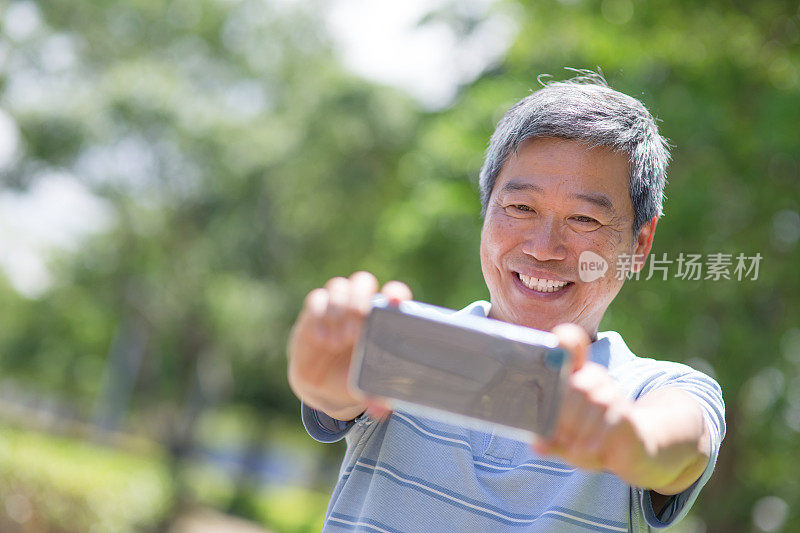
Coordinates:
591 266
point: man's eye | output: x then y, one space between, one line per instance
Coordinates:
520 208
586 221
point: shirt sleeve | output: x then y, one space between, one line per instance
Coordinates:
709 396
322 427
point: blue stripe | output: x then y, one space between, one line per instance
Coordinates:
494 469
428 428
489 467
461 444
611 523
448 492
563 471
359 522
584 524
509 518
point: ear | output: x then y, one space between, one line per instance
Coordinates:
643 243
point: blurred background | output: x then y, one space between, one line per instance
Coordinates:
176 175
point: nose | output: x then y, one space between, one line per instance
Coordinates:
545 241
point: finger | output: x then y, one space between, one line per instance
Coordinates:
563 430
378 409
602 444
338 296
594 390
576 450
542 446
396 292
575 406
590 426
315 307
362 286
574 339
315 303
602 413
548 447
568 419
309 337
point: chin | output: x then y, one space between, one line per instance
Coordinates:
537 321
544 325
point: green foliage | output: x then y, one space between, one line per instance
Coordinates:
293 510
69 485
64 484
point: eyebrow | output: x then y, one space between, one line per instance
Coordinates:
596 198
519 186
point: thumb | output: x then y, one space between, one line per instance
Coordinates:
396 292
574 339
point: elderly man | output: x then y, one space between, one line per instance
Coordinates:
575 167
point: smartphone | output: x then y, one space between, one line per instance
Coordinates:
461 368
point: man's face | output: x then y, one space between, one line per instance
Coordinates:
553 200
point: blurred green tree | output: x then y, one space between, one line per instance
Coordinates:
243 166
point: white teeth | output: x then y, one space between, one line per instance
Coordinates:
542 284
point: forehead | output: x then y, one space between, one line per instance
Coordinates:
572 166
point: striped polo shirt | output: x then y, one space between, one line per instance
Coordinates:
410 473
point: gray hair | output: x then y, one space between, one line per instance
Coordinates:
586 109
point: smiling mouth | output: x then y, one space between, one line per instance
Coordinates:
542 284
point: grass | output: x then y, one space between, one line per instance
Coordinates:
60 484
78 485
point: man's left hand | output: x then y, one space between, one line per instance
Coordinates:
655 443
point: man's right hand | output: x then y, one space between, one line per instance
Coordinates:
322 340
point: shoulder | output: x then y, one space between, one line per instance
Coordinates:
644 374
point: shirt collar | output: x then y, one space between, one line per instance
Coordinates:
608 350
